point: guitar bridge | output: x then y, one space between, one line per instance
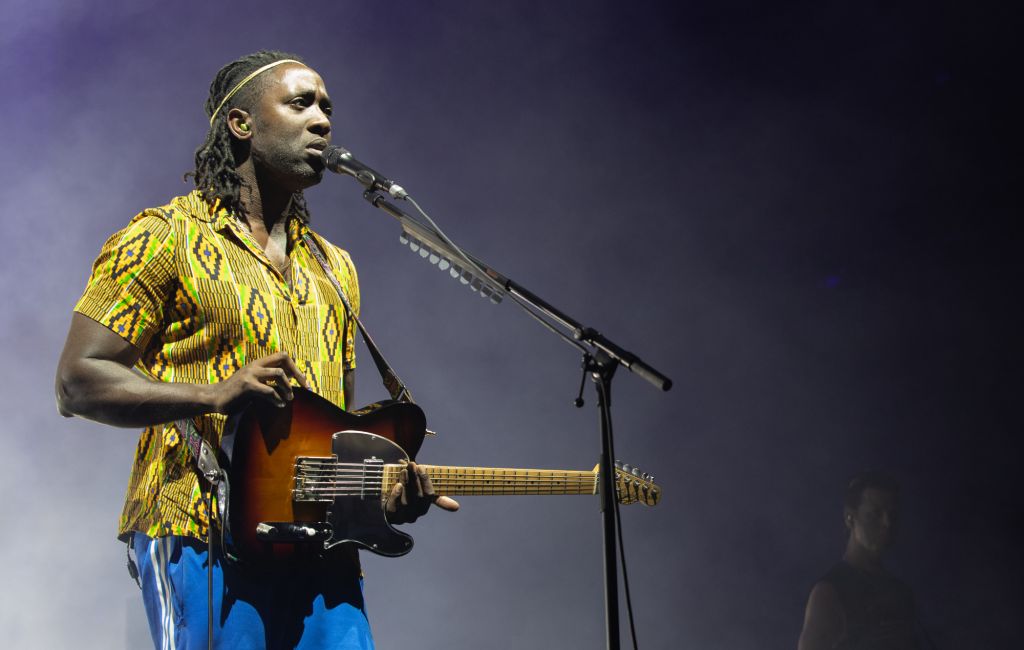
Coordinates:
314 479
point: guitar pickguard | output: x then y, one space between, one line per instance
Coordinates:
358 516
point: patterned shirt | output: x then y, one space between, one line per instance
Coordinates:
191 289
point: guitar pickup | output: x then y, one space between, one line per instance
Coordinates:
313 479
293 532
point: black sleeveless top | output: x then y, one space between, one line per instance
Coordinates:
879 609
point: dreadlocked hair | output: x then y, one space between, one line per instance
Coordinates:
214 173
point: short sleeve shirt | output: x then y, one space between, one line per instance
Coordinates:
191 289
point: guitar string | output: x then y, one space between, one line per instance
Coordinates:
360 468
333 463
453 489
454 481
315 478
626 499
444 473
451 482
588 486
501 479
515 477
507 481
437 481
329 464
355 491
338 476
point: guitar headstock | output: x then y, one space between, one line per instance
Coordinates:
632 485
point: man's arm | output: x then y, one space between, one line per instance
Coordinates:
823 619
95 380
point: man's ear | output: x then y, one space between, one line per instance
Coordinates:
240 124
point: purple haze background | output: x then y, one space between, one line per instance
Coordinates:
800 212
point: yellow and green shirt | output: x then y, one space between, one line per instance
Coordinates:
191 289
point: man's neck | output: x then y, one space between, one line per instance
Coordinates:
265 205
863 558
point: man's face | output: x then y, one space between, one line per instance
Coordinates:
873 523
290 127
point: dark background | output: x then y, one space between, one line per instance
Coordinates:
804 213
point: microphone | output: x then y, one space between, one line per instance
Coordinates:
340 161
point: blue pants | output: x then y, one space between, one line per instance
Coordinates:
305 607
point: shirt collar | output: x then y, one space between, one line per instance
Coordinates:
219 217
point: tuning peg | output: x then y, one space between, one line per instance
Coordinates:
627 468
443 264
618 464
434 257
636 472
402 239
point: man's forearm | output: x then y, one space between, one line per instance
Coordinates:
108 392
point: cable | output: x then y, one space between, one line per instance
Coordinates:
209 568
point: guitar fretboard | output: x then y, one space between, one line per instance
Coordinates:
456 481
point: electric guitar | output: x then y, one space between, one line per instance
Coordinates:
312 475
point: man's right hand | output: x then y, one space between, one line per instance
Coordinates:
268 378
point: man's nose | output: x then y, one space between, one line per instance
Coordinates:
321 124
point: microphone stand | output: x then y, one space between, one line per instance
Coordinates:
601 358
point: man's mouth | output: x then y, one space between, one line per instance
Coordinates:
317 145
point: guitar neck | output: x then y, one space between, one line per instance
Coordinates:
456 481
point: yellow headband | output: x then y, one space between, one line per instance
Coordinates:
252 75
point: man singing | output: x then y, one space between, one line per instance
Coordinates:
200 307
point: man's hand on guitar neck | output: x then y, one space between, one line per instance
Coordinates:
412 495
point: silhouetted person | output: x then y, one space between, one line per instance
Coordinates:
858 605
